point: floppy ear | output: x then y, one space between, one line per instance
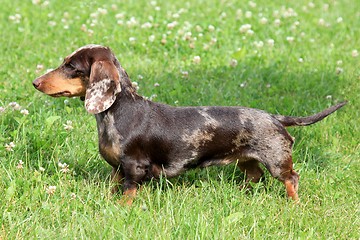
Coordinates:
104 84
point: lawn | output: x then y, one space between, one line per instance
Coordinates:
288 57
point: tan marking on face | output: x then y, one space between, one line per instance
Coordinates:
55 85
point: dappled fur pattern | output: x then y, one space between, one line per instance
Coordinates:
142 139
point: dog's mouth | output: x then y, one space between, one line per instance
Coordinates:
61 94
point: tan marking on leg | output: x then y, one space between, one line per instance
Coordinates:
128 197
290 190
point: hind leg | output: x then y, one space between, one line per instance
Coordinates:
252 170
291 182
285 173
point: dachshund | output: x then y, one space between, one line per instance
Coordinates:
142 139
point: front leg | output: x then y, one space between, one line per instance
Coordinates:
129 192
134 171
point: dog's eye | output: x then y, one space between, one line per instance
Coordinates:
70 66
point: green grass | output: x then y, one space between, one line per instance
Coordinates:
201 204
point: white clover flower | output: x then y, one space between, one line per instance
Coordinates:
339 62
52 23
196 59
68 126
156 84
20 165
176 15
41 169
211 28
239 14
151 38
83 28
64 168
250 32
248 14
263 20
245 28
277 22
90 32
102 11
326 7
252 4
206 46
339 20
354 53
300 60
9 147
290 39
2 109
289 13
152 97
187 36
321 22
339 70
50 190
146 25
132 22
24 112
328 97
259 44
15 105
172 25
135 85
72 196
233 62
132 39
198 28
119 15
185 74
213 41
223 15
271 42
15 18
39 67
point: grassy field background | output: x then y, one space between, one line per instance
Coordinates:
288 57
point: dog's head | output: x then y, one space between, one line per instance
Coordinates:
91 72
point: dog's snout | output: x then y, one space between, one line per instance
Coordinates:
36 83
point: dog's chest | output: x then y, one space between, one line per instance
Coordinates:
109 139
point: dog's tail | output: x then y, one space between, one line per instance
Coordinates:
288 121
